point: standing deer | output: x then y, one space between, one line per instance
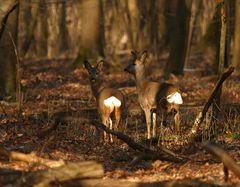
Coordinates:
110 101
153 96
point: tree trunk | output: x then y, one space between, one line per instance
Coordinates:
91 42
179 40
222 58
8 35
27 27
236 49
54 31
40 44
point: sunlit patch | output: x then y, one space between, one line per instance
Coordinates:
175 98
112 101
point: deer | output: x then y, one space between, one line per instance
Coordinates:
110 101
155 98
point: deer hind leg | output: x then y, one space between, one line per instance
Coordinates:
105 121
118 115
162 114
177 122
111 128
149 122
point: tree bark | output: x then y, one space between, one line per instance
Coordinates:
222 57
39 44
8 35
236 48
27 27
91 43
179 40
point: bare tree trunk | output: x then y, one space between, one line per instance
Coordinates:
40 44
64 45
27 27
204 13
91 43
179 40
236 49
222 52
8 35
73 24
54 32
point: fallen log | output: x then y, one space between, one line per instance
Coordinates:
201 115
149 153
70 171
30 158
228 162
125 183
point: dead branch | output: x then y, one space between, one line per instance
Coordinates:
70 171
201 115
30 158
153 155
228 162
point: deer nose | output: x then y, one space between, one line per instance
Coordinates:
125 69
93 80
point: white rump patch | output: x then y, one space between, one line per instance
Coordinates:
175 98
112 102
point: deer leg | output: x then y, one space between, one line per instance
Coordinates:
177 122
96 134
162 114
105 122
118 117
154 122
148 121
111 128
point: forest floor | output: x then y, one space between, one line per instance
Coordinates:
53 87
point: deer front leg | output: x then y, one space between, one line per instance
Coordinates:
148 121
154 122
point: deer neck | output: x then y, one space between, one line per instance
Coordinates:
140 77
96 88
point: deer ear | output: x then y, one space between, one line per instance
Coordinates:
144 55
87 65
134 53
99 65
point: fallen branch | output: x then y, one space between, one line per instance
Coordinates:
30 158
120 183
70 171
154 155
201 115
228 162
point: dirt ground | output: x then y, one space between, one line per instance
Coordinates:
54 87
